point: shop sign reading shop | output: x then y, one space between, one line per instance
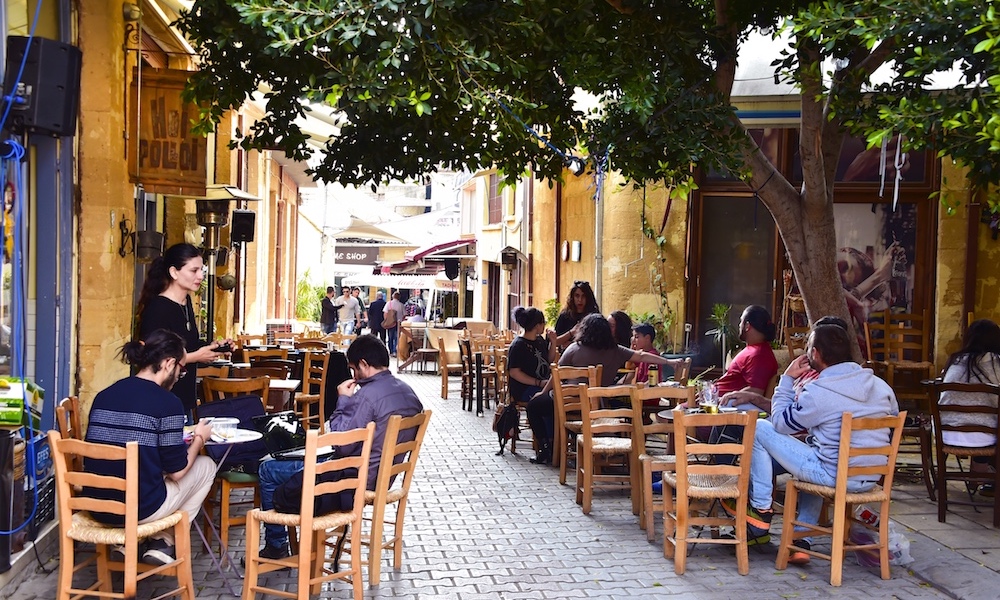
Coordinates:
356 255
163 154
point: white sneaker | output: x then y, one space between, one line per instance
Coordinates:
158 552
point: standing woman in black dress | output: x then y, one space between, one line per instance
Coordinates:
165 303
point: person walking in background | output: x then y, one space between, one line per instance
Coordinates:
172 475
392 316
375 316
328 313
363 315
348 311
580 303
165 303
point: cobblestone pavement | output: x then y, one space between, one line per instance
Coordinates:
498 527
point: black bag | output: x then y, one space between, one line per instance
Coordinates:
505 422
243 457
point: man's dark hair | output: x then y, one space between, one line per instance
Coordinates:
833 344
158 345
831 320
369 349
329 289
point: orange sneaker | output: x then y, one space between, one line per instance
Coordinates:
797 557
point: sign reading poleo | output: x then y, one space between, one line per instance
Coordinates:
163 155
357 255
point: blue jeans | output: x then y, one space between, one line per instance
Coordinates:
797 458
329 327
393 334
348 327
273 473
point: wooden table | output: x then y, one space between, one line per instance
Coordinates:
280 393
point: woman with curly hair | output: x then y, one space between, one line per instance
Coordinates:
594 345
580 303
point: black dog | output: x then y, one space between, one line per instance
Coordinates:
505 422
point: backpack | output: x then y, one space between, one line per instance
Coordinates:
389 319
505 422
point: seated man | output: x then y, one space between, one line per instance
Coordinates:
842 386
642 340
172 476
373 396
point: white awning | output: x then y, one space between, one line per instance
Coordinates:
403 282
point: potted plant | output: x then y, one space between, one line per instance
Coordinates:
724 333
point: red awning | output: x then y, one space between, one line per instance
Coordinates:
430 259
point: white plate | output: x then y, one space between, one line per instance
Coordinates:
242 435
728 409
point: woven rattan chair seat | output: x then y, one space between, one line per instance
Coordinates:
968 451
393 496
874 495
706 486
608 445
86 529
320 523
658 458
577 426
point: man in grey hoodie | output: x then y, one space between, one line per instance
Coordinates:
842 386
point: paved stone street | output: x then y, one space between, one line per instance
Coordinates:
498 527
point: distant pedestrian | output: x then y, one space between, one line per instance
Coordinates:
375 316
390 322
328 312
349 311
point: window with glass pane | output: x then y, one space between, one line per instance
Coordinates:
495 202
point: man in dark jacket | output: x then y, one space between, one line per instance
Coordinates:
328 313
375 316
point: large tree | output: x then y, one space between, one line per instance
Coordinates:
422 83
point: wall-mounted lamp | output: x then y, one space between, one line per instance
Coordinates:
131 12
576 251
508 259
576 165
470 273
146 245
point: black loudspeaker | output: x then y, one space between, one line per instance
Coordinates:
50 82
241 226
451 268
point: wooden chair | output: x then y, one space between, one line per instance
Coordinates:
216 388
446 368
403 439
944 416
77 525
252 355
468 374
276 372
606 433
294 368
566 406
314 529
309 403
312 344
696 479
214 371
251 339
645 429
68 422
796 339
895 356
844 501
683 372
227 482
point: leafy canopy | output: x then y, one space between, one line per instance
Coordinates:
421 83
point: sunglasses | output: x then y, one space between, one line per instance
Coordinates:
580 283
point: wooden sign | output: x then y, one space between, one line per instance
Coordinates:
163 154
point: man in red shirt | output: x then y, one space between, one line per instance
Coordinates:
755 365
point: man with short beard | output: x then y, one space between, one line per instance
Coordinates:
842 386
172 474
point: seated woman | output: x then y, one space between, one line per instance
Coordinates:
978 361
594 345
530 354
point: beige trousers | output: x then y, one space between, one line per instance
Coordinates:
186 494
